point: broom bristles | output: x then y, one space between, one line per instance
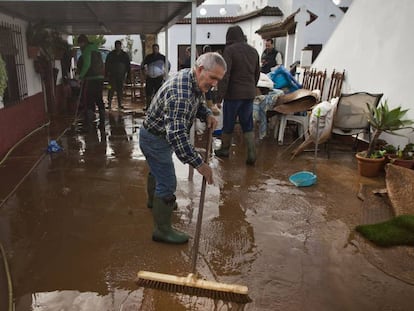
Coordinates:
193 286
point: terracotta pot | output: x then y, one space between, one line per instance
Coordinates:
403 163
370 167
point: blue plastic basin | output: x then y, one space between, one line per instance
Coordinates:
303 179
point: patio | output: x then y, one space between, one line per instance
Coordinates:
76 229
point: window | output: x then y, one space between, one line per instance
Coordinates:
11 50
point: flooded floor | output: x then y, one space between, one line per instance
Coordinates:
76 230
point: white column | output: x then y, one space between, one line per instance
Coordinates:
193 31
289 51
300 18
166 71
193 56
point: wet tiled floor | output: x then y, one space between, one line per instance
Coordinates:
76 229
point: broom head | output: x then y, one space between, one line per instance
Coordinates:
192 286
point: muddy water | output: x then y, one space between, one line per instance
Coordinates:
77 231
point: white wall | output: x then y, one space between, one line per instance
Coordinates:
321 29
374 44
181 35
34 85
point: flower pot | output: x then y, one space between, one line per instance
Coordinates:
369 167
402 162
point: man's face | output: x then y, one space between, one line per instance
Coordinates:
155 49
268 45
118 47
206 79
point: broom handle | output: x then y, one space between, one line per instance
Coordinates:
318 115
201 206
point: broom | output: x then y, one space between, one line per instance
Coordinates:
191 285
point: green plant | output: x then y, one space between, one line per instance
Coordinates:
99 40
3 76
47 38
377 154
384 120
407 153
38 34
389 149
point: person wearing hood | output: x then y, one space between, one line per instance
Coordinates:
238 89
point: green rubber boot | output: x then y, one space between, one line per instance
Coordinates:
150 189
251 148
163 231
224 152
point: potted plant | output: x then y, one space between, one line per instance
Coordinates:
404 157
38 38
43 39
382 120
3 79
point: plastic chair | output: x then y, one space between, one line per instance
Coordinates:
288 106
351 116
313 80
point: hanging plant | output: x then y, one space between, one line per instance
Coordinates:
3 76
47 39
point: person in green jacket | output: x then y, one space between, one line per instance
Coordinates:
91 73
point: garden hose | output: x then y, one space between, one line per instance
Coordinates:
8 276
22 140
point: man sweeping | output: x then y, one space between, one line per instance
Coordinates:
166 129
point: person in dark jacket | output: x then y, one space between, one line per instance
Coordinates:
238 89
91 74
154 68
117 68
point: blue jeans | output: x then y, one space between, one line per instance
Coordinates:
158 153
241 108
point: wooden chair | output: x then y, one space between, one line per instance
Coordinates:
307 76
335 84
136 85
317 81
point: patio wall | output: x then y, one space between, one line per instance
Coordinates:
374 45
19 120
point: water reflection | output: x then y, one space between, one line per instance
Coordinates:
119 144
86 301
231 245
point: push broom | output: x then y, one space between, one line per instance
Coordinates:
191 285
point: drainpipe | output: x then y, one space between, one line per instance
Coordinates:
193 58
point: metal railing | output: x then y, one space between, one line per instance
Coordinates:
11 49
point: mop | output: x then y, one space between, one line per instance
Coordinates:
306 178
191 285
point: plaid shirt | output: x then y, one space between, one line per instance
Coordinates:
173 110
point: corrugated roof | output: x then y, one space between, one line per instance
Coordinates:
101 17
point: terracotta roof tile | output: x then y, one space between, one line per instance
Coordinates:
266 11
279 29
